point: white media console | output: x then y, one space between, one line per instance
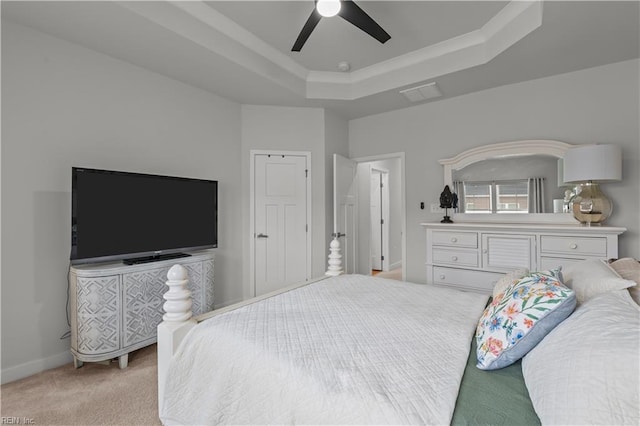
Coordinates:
116 308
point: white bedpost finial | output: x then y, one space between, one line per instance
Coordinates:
335 258
178 298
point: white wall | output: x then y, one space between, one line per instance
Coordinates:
64 106
593 105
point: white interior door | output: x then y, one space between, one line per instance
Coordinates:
280 221
375 203
345 210
379 205
386 220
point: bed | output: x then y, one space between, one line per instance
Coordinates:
350 349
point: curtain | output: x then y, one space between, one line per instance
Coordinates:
536 195
458 188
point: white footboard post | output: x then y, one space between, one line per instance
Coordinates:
335 258
176 323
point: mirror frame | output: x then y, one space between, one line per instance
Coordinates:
502 150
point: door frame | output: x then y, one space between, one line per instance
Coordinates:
348 245
403 195
252 213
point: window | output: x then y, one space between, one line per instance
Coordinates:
477 197
512 196
496 197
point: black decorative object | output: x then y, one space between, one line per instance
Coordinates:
448 200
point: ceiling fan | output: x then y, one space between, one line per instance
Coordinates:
348 11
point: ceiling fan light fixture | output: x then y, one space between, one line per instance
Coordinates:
328 8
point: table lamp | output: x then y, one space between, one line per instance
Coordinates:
587 166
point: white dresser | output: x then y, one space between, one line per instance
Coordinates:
473 256
116 308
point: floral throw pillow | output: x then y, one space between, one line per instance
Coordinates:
519 318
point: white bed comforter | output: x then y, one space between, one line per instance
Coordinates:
346 350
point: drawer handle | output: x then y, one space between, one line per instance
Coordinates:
454 240
454 258
442 276
573 246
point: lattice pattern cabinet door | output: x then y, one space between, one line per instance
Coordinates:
98 315
207 283
194 271
142 295
200 286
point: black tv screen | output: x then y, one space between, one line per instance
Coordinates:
140 217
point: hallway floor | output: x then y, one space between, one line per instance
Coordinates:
394 274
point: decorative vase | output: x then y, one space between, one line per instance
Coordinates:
590 205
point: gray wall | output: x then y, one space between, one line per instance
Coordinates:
593 105
66 106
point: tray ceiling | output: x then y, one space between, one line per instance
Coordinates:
241 49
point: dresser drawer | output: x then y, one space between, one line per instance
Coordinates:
463 279
455 257
455 239
547 263
577 246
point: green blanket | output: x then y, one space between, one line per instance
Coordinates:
497 397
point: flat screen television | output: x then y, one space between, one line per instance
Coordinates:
138 217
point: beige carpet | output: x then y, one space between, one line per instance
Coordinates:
95 394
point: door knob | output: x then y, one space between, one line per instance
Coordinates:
261 235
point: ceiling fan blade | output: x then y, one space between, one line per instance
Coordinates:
352 13
311 23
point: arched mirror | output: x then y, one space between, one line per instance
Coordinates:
518 181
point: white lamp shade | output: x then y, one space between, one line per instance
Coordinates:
599 163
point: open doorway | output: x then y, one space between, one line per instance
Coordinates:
381 190
353 222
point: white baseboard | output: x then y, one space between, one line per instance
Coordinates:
395 265
33 367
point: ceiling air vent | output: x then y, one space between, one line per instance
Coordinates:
422 93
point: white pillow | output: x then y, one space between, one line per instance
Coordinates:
586 370
591 277
508 280
629 269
